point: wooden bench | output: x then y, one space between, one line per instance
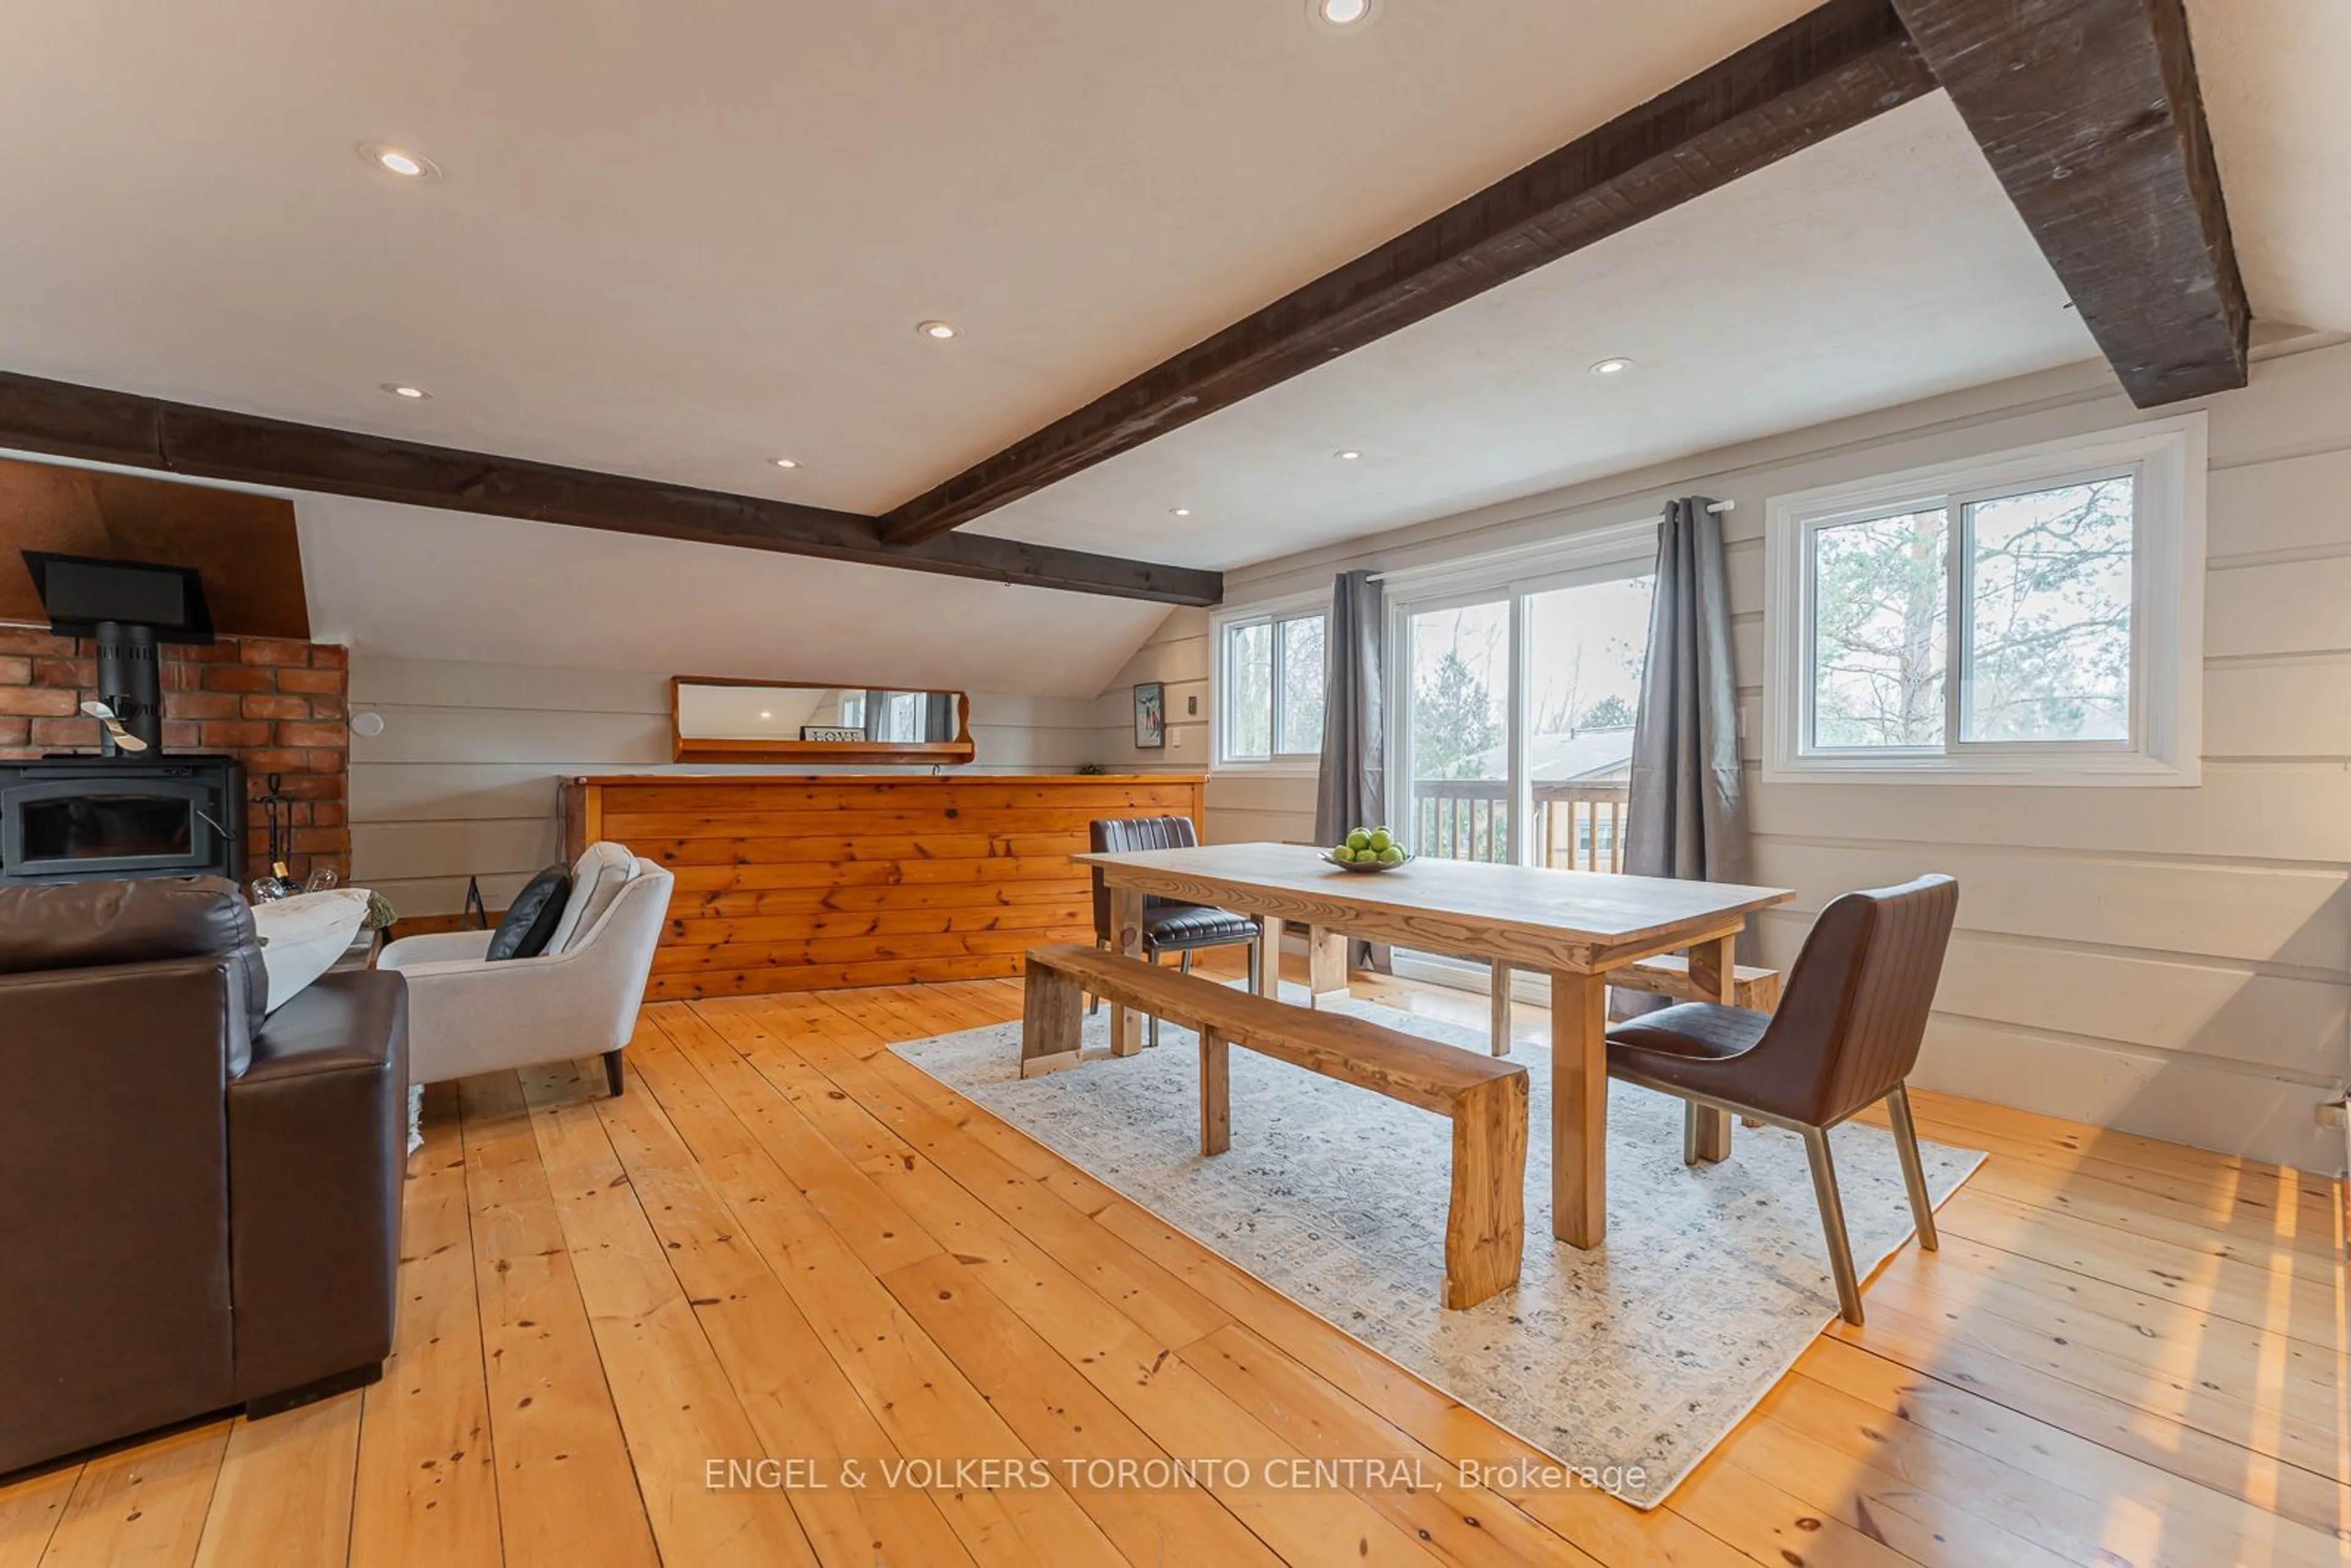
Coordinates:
1667 975
1486 1099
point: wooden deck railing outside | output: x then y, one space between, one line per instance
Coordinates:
1577 827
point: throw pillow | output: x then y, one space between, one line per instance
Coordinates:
597 877
303 936
532 918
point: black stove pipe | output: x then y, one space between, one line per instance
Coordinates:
131 682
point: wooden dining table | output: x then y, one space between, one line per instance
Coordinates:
1575 926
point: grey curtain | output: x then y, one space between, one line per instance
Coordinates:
877 715
1688 800
939 716
1353 789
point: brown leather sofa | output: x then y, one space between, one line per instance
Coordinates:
199 1207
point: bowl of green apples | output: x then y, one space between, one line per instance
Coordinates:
1368 849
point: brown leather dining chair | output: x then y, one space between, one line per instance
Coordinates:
1169 926
1846 1035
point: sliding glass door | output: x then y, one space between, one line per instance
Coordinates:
1586 641
1512 703
1457 729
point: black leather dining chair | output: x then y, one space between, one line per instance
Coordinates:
1846 1035
1169 926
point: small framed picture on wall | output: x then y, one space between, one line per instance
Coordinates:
1150 715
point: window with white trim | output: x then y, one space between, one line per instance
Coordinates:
1271 671
2034 616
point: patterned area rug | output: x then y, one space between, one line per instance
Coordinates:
1634 1360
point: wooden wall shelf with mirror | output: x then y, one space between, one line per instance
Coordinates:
714 718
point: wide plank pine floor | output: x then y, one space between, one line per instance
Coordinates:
784 1242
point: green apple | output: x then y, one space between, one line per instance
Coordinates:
1342 854
1391 856
1382 840
1360 840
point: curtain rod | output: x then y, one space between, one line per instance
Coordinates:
1715 506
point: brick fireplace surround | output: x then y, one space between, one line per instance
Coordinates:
277 704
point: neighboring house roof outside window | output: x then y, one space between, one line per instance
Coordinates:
1582 756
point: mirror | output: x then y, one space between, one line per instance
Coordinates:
712 719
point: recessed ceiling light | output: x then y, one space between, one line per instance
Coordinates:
400 161
785 462
1611 367
1341 13
414 394
939 329
765 714
1179 511
1349 456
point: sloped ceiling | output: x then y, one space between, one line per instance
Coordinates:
416 583
242 545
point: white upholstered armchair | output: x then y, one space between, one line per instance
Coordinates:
468 1015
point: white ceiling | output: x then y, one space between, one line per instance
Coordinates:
1884 265
420 583
2274 73
677 241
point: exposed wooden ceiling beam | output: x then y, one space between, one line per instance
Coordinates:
96 425
2090 113
1826 71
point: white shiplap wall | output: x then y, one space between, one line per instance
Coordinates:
1176 656
1179 655
1237 802
463 780
2170 962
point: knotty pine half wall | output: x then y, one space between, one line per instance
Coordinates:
463 780
800 883
2171 962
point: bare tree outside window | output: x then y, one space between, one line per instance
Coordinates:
1879 594
1248 692
2044 655
1274 672
2049 624
1302 677
1460 670
2030 616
